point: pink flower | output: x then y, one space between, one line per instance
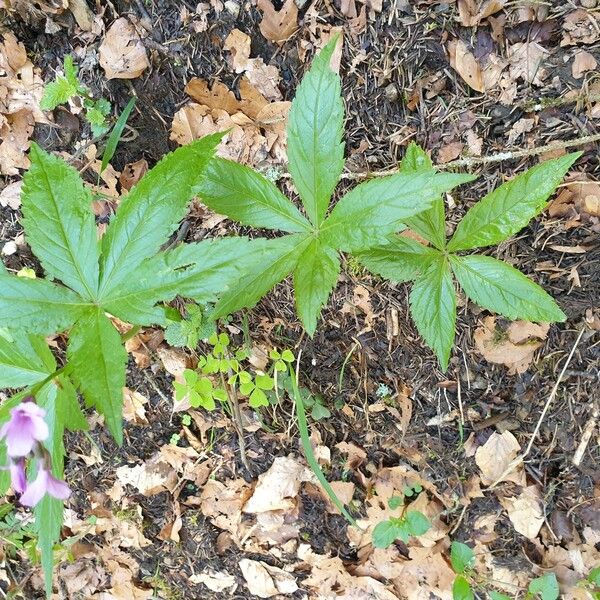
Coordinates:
45 483
17 475
25 427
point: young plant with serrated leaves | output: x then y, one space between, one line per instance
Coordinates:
313 241
66 87
409 523
492 284
188 329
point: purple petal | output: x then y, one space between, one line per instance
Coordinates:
19 441
39 429
35 491
17 475
57 488
30 409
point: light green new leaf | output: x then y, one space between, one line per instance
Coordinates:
403 259
262 271
315 277
503 289
59 223
433 308
199 271
545 587
151 211
370 212
462 557
242 194
98 361
20 363
431 223
37 305
510 206
461 589
314 142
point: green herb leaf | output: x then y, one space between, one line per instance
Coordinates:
594 576
402 259
461 589
545 587
498 596
507 209
385 533
462 557
262 270
57 92
417 522
97 120
433 308
370 212
430 223
59 223
37 305
151 211
315 276
503 289
20 364
98 362
315 127
244 195
115 135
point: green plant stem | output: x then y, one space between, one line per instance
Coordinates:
308 451
131 333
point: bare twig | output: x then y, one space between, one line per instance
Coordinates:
519 459
588 430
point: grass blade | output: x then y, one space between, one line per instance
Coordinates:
115 134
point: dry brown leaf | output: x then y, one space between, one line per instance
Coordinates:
15 131
472 12
449 152
216 581
266 581
222 503
514 348
526 511
278 487
580 27
122 53
11 195
132 173
278 25
465 64
134 407
494 457
525 60
82 13
582 63
578 197
219 97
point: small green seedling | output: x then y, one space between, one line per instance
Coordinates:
67 86
544 587
490 283
189 329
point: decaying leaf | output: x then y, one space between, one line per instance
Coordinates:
122 53
465 64
579 27
494 457
266 581
278 25
216 581
582 63
472 12
526 511
515 347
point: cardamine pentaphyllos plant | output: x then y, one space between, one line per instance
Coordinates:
492 284
313 241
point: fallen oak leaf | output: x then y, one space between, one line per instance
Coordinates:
278 25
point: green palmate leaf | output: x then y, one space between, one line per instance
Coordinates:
37 305
244 195
20 363
462 557
369 213
544 587
315 277
98 361
151 211
511 206
431 222
315 127
433 308
461 589
402 259
501 288
59 223
199 271
262 271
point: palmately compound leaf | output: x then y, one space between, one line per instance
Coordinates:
433 308
314 142
402 259
544 587
98 361
242 194
373 210
151 211
431 223
262 271
461 589
59 223
507 209
200 271
20 363
462 557
37 305
315 277
494 285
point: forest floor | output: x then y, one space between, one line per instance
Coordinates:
167 515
